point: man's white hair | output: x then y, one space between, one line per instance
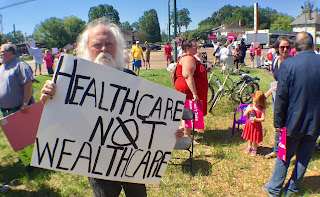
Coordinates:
82 43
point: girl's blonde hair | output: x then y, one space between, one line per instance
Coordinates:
259 95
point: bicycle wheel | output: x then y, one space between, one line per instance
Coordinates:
215 100
247 91
210 94
235 92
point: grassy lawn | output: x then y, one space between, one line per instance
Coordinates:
221 167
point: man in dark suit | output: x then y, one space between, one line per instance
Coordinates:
297 108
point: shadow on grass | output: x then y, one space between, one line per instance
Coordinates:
17 174
199 167
264 150
220 138
310 184
15 193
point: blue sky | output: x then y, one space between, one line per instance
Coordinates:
26 16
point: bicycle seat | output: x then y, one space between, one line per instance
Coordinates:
246 77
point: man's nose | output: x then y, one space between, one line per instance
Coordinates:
104 48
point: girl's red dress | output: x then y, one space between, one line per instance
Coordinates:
253 131
201 82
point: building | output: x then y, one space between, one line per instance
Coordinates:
235 29
128 37
308 22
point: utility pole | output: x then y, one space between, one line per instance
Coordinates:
169 22
175 29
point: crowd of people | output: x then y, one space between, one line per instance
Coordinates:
294 101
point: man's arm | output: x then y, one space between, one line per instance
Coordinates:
282 96
27 90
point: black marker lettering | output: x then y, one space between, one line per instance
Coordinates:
63 153
51 155
86 93
83 156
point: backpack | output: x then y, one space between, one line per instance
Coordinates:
173 76
173 73
269 56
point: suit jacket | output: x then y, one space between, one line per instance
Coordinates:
297 103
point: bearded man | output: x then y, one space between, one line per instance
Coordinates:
102 42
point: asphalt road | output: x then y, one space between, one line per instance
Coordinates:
157 59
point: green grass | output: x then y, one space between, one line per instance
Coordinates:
220 165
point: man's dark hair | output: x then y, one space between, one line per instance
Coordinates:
186 43
304 41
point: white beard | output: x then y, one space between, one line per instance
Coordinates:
106 60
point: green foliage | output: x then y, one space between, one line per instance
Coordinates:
104 10
14 37
308 5
52 33
55 32
198 34
135 26
149 24
74 26
126 25
282 23
183 19
229 14
164 37
143 36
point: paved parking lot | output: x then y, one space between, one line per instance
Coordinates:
157 59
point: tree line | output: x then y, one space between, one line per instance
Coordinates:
56 32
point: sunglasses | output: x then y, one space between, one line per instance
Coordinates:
287 47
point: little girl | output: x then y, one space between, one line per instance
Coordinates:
253 129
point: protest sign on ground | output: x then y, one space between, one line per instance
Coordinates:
107 124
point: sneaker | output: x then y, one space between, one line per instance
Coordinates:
271 155
266 191
254 153
248 150
4 189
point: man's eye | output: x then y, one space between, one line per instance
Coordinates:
97 45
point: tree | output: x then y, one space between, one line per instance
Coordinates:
149 24
135 26
308 5
104 10
14 37
142 36
282 23
52 33
164 37
183 19
126 25
74 26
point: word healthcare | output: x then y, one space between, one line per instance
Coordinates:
107 124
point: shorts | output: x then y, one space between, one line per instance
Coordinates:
169 57
137 63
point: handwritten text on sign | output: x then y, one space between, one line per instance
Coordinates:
107 124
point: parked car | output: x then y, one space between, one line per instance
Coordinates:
206 45
153 47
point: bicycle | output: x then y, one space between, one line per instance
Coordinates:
239 90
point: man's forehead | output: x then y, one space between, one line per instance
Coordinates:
101 30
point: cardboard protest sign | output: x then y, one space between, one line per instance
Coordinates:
25 154
107 124
21 128
197 108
